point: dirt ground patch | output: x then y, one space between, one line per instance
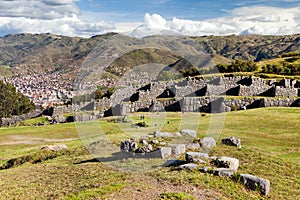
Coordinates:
151 188
19 139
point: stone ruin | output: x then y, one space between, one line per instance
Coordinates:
198 95
188 95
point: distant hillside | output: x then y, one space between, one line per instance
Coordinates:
250 47
46 52
49 53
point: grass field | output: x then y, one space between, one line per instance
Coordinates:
270 149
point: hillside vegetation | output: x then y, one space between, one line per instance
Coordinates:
13 102
270 149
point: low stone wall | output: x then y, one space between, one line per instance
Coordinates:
19 118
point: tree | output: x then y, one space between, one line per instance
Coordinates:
13 102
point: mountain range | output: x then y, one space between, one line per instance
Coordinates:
47 53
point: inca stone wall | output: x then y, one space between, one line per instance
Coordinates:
16 119
194 95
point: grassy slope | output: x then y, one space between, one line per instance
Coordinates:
270 139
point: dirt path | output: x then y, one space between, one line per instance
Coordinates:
19 139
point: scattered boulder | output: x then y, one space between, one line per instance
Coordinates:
189 166
178 149
254 182
192 157
163 144
207 142
188 132
58 147
223 172
232 141
144 142
204 169
128 146
162 134
178 134
193 146
227 162
163 152
155 142
144 149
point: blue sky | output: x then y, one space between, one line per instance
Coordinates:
189 9
145 17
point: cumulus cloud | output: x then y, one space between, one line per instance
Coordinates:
244 20
38 9
71 26
64 17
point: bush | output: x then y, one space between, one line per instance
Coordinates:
233 108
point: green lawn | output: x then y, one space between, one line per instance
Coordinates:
270 149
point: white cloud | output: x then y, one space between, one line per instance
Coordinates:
38 9
63 17
244 20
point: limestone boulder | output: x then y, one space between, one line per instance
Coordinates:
195 157
163 134
178 149
223 172
163 153
226 162
189 166
58 147
232 141
128 146
189 133
207 142
254 182
193 146
144 149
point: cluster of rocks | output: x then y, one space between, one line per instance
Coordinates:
159 145
225 167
